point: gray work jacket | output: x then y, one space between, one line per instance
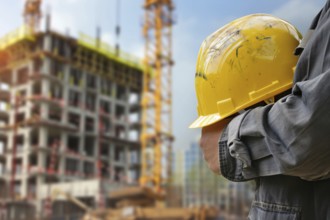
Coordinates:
285 144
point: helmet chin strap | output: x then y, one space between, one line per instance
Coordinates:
270 100
241 111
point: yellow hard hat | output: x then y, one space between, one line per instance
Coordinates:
243 63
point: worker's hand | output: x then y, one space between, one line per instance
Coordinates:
209 144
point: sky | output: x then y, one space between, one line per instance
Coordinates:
195 20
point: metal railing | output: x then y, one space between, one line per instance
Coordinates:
13 37
109 51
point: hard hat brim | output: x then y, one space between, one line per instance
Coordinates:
203 121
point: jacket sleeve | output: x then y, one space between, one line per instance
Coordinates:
290 137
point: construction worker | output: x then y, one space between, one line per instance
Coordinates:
252 129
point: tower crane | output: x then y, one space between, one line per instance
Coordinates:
156 135
32 14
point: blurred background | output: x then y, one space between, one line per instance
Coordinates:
95 102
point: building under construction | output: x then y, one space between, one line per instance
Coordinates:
70 117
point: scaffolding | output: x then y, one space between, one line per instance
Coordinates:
110 52
20 34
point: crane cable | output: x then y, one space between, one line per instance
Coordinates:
117 26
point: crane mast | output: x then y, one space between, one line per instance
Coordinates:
156 102
32 14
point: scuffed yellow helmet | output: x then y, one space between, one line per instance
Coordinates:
245 62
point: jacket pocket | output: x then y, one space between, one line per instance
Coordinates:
271 211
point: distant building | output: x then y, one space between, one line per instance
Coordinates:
174 192
177 167
202 187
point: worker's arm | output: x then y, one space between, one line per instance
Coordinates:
292 136
209 143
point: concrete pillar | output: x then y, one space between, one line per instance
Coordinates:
127 124
81 150
13 95
44 107
25 162
112 159
47 66
83 113
96 153
62 157
114 90
65 94
41 163
29 105
47 43
113 109
43 136
126 165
